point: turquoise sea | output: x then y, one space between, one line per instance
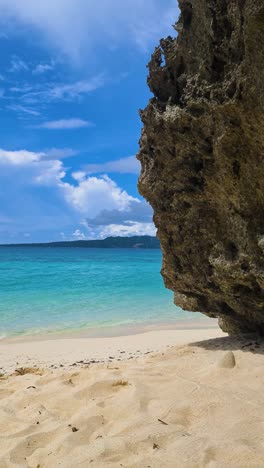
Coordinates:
46 290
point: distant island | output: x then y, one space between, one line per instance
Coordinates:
135 242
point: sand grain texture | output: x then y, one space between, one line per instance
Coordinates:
182 408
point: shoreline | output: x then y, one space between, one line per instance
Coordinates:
111 330
68 352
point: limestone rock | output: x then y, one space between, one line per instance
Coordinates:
202 157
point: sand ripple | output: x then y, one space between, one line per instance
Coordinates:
185 408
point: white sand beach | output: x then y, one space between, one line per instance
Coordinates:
173 398
98 345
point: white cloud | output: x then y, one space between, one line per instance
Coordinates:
92 194
74 90
136 219
134 212
42 68
21 89
78 27
24 157
147 33
27 110
31 166
129 165
51 92
78 235
59 153
35 196
79 175
17 65
51 173
65 124
120 230
29 98
130 229
18 158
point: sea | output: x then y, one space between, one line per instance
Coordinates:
47 290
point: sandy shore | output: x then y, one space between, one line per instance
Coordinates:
189 402
98 345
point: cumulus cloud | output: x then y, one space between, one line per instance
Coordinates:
129 229
129 165
88 196
135 212
76 27
93 193
36 195
78 235
65 124
79 175
30 195
135 219
24 157
18 158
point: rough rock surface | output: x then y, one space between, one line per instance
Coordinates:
202 156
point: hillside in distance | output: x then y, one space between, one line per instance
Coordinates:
135 242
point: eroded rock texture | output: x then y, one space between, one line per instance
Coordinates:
202 156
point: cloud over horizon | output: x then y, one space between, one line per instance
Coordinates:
73 76
41 193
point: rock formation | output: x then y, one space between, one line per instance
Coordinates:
202 157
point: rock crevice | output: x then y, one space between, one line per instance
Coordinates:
202 157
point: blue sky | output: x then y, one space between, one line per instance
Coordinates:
72 78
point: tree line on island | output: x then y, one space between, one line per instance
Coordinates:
134 242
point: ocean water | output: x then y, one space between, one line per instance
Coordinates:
47 290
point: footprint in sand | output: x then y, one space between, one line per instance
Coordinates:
28 446
182 416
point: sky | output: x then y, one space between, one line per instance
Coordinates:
72 79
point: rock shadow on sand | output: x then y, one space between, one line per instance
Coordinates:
253 344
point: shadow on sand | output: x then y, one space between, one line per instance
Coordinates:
253 344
